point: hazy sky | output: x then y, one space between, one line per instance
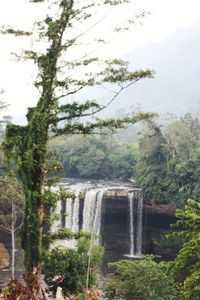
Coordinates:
167 16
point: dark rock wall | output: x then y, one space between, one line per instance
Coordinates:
115 229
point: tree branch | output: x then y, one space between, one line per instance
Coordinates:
70 93
87 30
96 128
5 229
81 114
16 32
18 227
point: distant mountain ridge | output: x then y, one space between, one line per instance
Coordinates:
176 86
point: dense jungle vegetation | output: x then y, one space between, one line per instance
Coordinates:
163 159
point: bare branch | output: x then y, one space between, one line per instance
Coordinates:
5 229
115 96
118 30
36 1
116 2
70 93
87 30
18 227
99 109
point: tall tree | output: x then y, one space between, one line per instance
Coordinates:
55 83
11 210
168 166
151 167
4 120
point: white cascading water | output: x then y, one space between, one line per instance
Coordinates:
72 213
57 223
98 214
71 221
89 210
68 213
75 214
136 227
92 211
131 227
139 225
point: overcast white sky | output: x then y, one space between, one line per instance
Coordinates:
167 16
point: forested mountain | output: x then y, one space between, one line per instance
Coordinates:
175 88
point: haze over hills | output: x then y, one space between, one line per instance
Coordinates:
176 86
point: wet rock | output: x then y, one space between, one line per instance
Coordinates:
110 194
159 209
122 193
4 257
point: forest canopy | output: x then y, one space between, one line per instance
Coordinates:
162 159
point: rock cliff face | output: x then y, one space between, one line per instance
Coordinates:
116 190
117 200
116 228
152 207
4 257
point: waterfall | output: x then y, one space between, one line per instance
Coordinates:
139 225
131 227
86 215
72 213
135 228
89 210
92 211
98 214
75 214
68 213
57 223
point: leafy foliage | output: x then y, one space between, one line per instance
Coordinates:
95 157
63 234
169 163
186 267
72 264
10 195
139 280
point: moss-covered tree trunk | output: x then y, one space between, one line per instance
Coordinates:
33 181
33 172
34 168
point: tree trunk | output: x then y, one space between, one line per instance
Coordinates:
13 241
37 265
37 270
